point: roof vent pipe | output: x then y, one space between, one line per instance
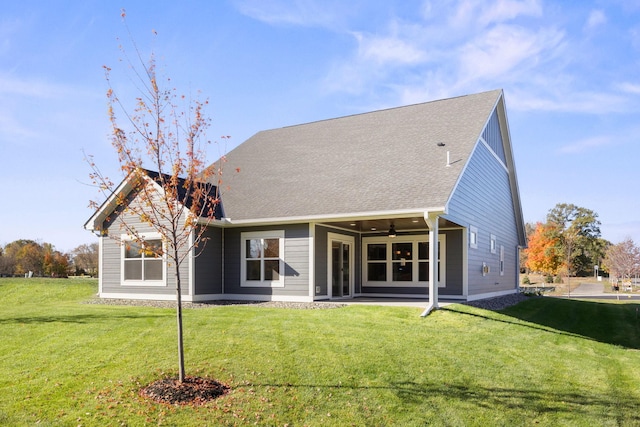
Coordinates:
448 159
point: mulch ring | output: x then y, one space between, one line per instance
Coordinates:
193 391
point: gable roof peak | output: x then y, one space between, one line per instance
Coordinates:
493 92
370 162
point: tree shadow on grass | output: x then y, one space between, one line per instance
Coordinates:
74 318
605 322
624 408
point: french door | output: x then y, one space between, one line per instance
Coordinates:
341 252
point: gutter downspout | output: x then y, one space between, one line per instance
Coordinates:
431 219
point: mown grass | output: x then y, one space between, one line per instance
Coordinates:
544 362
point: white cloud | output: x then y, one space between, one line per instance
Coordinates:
10 85
567 100
307 13
497 53
505 10
460 47
391 49
586 145
596 19
480 13
631 88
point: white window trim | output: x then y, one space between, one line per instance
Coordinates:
501 260
124 238
275 234
415 239
473 237
493 244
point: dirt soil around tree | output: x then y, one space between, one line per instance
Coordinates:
192 391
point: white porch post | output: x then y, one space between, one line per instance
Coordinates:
432 222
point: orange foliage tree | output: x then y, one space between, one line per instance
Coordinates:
165 132
544 253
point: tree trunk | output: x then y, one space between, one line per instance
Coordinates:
179 317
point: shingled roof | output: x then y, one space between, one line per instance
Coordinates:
130 182
387 160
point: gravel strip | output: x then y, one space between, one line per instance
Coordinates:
210 304
497 303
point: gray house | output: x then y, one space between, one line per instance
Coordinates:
419 201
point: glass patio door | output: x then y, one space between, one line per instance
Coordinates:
341 269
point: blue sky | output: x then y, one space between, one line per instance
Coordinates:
570 71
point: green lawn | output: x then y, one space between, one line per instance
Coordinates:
545 362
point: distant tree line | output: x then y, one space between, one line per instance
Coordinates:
28 257
569 243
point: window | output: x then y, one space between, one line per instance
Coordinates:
262 259
501 260
423 260
473 237
401 262
142 262
493 244
377 262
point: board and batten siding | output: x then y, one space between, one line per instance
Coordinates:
208 263
112 261
483 200
453 264
296 262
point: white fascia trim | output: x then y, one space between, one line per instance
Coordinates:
312 256
108 205
492 294
493 153
100 262
191 264
334 217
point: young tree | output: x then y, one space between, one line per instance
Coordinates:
164 132
622 260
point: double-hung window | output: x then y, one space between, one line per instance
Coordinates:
263 259
143 262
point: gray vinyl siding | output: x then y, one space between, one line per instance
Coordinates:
296 259
208 264
493 136
322 263
112 261
483 199
454 265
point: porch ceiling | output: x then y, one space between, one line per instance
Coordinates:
382 225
